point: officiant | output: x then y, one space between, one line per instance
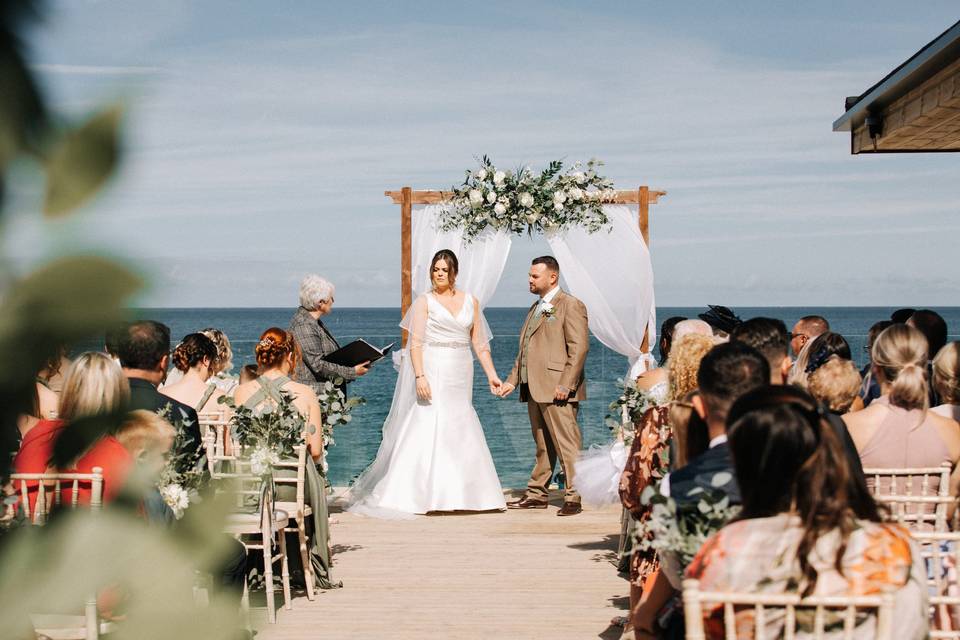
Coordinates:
315 340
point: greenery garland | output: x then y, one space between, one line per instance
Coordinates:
521 201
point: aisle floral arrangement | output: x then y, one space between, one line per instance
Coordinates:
679 533
268 436
522 201
183 475
627 410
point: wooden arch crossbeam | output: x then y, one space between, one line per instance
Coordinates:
407 197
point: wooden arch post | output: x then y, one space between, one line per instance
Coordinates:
406 197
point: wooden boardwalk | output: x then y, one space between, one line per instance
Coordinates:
514 575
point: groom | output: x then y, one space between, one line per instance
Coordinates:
549 370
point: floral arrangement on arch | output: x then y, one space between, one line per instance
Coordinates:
522 201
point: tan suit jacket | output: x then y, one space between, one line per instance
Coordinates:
556 352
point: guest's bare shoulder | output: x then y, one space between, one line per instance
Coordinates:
652 378
244 391
949 430
300 392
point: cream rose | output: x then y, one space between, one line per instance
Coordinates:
492 197
499 209
526 200
475 196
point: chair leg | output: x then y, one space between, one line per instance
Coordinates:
92 618
285 570
245 600
308 576
268 579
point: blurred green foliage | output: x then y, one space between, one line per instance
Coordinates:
53 568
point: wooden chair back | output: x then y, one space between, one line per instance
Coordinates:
300 464
50 489
941 553
783 607
918 498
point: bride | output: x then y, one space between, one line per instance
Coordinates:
434 456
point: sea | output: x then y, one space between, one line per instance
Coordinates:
504 420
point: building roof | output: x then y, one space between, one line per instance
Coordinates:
916 107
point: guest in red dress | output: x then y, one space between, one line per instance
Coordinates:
92 385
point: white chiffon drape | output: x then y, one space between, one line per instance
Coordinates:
481 264
611 272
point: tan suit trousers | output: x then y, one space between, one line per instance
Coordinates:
556 434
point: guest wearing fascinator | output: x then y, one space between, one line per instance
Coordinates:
722 319
815 353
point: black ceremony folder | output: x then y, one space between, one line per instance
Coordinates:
356 352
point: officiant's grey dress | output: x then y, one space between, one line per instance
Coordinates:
315 493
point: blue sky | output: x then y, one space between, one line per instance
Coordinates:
261 136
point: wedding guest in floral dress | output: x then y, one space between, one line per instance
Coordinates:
802 529
650 455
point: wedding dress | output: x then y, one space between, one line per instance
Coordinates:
434 456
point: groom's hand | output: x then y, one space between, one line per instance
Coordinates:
561 393
506 389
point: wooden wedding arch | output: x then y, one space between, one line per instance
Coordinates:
407 197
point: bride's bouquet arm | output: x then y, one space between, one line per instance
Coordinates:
481 346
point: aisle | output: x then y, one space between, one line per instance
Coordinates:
515 575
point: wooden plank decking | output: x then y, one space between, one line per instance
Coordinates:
514 575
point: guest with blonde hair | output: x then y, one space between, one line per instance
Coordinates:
897 430
946 381
93 385
836 384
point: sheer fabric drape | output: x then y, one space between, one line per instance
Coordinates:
611 272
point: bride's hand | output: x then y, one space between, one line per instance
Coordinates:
423 389
495 385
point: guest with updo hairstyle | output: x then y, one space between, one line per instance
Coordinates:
196 358
277 356
224 365
836 384
816 352
897 430
946 381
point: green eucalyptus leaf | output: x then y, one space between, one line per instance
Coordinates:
82 162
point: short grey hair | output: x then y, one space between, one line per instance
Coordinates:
314 290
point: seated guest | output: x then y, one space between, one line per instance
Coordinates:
196 358
43 406
934 328
870 389
315 340
946 381
897 430
220 375
655 380
143 349
652 448
800 529
815 353
768 336
277 356
726 373
51 376
93 385
806 329
836 384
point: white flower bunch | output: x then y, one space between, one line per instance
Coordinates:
176 497
262 459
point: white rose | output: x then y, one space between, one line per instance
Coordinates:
579 177
558 206
475 196
559 196
499 177
576 193
499 209
482 174
526 200
492 197
532 217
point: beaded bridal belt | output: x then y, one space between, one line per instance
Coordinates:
449 345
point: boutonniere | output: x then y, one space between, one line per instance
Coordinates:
548 311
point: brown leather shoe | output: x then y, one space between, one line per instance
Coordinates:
570 509
527 503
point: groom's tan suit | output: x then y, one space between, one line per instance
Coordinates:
553 349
